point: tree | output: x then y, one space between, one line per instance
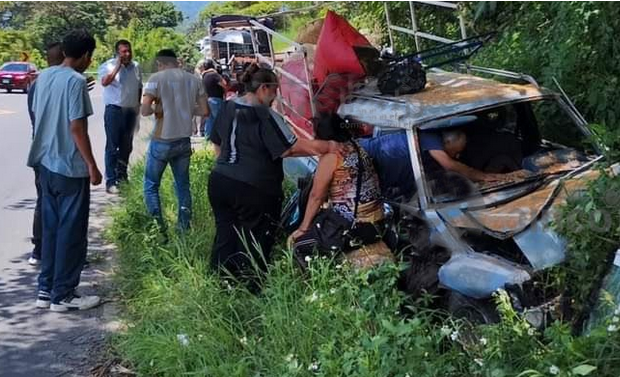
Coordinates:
160 14
150 14
49 21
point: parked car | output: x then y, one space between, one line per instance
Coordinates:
17 75
465 244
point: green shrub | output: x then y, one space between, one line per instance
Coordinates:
183 320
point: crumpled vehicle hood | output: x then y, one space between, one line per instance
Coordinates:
526 219
507 219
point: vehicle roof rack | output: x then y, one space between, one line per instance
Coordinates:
521 77
298 48
449 44
450 53
415 32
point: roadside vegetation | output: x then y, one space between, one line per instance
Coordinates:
27 27
183 320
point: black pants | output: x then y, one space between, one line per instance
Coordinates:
37 227
65 211
246 223
120 123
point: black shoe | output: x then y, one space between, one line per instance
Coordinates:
43 300
75 302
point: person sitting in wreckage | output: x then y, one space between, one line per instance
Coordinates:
441 150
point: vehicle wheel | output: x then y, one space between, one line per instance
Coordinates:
9 90
478 312
27 89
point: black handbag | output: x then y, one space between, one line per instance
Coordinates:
335 233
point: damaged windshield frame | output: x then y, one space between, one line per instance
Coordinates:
429 199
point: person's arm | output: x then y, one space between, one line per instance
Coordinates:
320 189
223 83
217 150
147 105
30 101
151 96
304 147
202 108
140 82
451 164
80 108
109 78
79 132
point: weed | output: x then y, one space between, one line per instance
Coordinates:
184 320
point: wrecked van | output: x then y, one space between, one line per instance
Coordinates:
469 242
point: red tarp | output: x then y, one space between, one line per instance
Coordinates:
334 50
336 69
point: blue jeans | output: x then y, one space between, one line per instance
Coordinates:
120 123
214 108
177 154
65 210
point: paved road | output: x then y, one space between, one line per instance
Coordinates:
34 342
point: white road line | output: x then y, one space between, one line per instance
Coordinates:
6 112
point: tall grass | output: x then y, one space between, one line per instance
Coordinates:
185 321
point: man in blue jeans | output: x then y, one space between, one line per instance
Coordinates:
178 96
122 88
62 152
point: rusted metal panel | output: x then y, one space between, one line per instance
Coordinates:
446 94
513 217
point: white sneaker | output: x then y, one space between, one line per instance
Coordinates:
75 302
113 190
43 300
34 261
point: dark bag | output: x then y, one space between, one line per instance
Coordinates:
402 76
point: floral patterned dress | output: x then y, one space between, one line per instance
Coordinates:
343 188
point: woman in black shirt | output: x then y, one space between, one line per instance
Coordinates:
215 87
245 186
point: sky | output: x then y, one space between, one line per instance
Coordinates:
190 9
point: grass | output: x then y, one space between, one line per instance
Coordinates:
184 321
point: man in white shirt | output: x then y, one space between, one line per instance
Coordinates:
122 82
178 97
